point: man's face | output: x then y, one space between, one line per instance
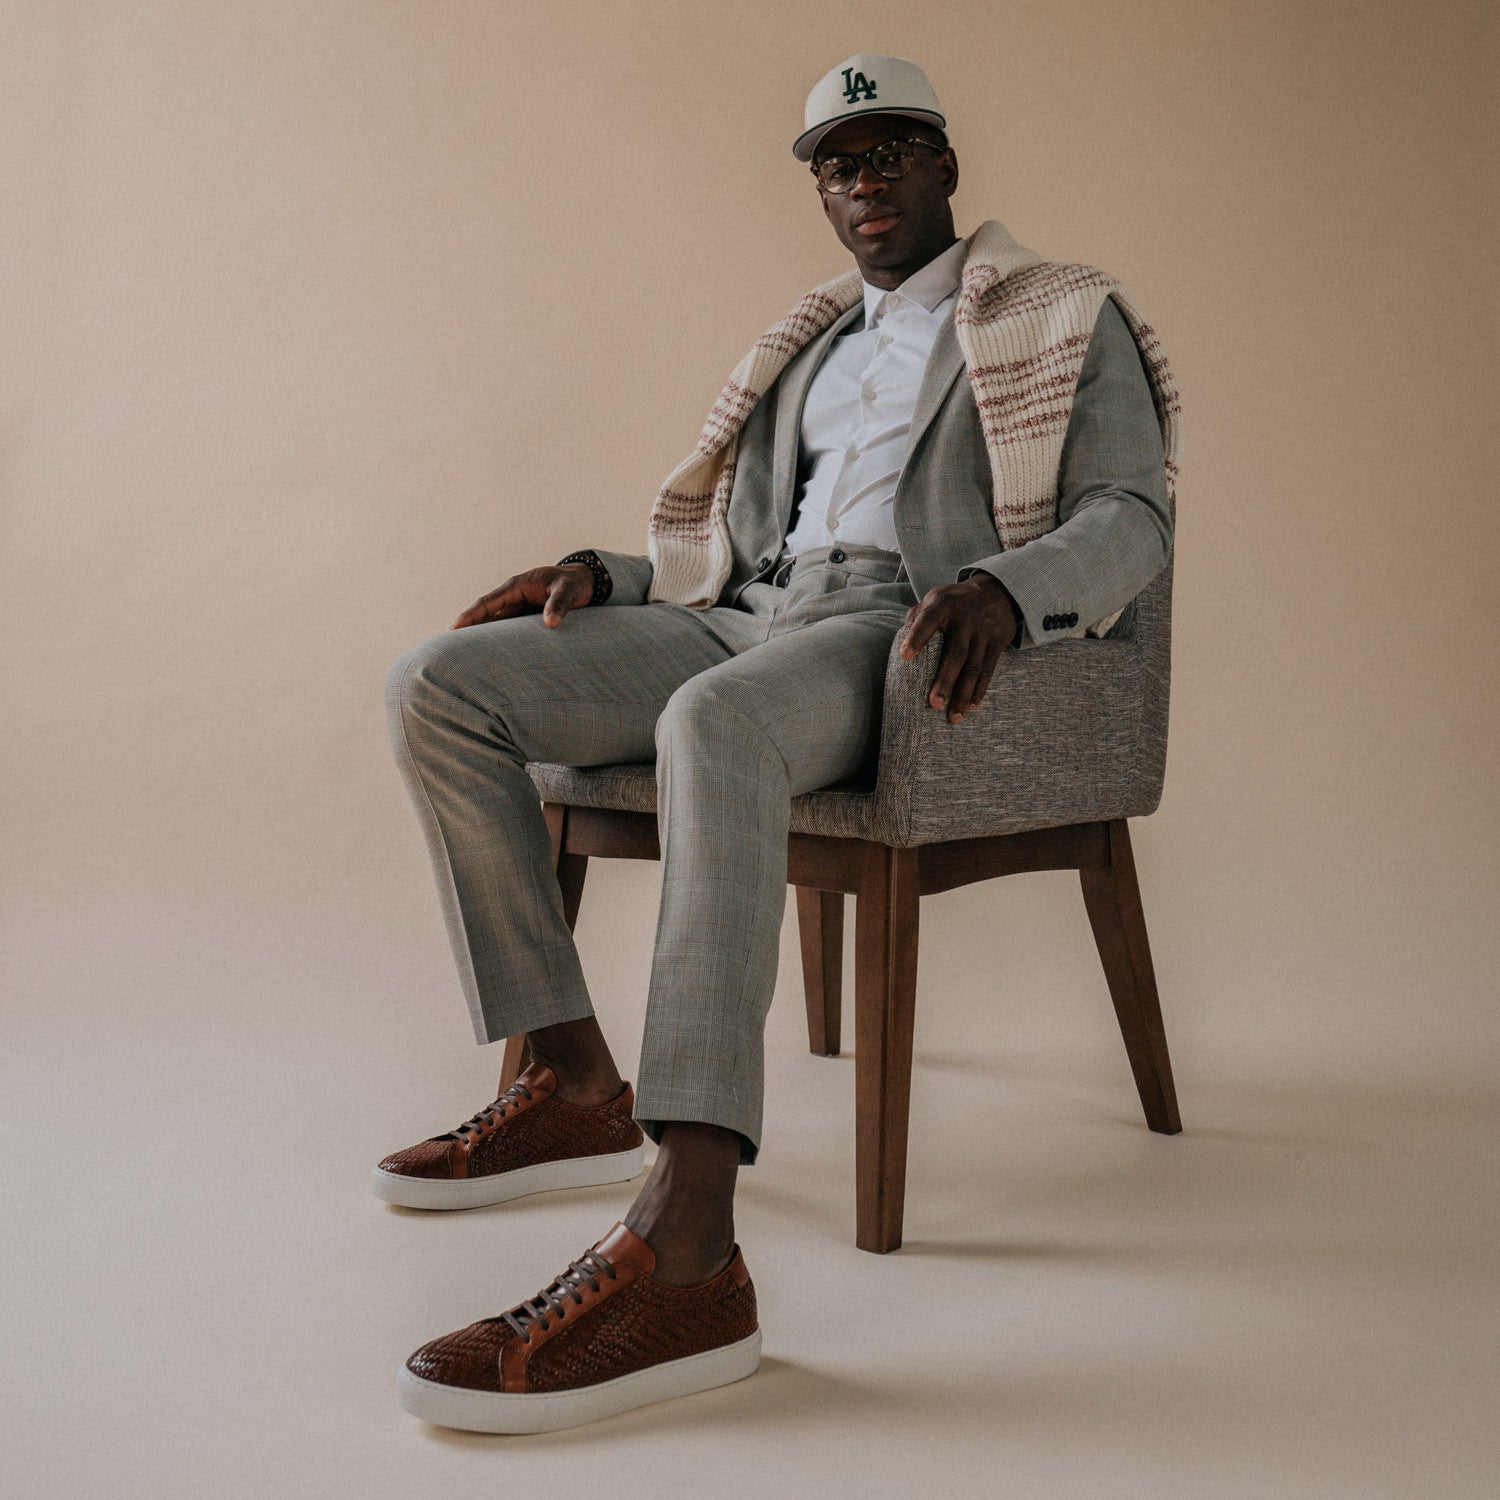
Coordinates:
891 226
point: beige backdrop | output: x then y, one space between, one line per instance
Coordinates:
321 318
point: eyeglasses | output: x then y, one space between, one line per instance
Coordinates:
891 159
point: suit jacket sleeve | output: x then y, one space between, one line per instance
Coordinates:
1114 525
630 576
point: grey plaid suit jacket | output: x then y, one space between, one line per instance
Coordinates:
1114 530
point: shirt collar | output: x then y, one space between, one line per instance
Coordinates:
934 283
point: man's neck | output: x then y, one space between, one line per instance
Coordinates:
888 278
928 286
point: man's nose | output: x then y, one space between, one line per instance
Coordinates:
868 181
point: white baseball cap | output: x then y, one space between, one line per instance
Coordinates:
866 84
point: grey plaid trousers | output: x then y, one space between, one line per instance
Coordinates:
741 707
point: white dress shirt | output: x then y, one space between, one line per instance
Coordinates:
857 418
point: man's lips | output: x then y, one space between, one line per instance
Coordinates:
874 224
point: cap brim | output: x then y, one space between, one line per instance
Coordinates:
806 143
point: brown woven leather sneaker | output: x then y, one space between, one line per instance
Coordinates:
527 1141
603 1338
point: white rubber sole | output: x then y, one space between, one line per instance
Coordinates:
500 1187
547 1411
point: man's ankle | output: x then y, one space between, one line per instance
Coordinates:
586 1092
685 1210
686 1254
578 1054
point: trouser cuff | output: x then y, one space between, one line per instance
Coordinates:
654 1109
494 1022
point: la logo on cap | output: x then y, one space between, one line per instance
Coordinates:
857 86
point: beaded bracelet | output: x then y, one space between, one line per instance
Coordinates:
603 583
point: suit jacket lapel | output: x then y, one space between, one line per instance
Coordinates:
943 365
791 397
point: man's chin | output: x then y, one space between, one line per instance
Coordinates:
884 250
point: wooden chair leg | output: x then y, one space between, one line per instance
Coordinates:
885 994
1113 898
571 870
514 1062
820 925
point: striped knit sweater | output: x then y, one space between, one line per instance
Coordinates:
1024 326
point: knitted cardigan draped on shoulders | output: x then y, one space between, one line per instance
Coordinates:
1023 324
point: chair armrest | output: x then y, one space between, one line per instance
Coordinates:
1060 738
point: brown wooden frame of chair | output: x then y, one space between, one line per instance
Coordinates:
888 884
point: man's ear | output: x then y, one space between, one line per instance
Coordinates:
950 172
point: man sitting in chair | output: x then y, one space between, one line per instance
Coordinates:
956 436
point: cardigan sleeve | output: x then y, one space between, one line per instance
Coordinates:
1114 528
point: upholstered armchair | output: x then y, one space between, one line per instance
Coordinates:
1069 743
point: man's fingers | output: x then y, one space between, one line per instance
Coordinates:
494 605
556 604
962 699
969 691
955 654
478 612
475 614
921 622
974 680
991 661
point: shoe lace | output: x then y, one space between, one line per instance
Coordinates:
583 1272
491 1115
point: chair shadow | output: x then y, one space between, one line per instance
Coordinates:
995 1250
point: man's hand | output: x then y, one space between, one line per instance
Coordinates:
978 622
552 590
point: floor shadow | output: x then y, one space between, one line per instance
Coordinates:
1016 1250
780 1396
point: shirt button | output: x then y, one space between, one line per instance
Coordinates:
868 392
895 300
837 555
885 338
851 454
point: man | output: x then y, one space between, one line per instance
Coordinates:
849 486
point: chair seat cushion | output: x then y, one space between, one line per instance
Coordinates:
844 811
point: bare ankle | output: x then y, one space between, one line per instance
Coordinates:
578 1054
685 1211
